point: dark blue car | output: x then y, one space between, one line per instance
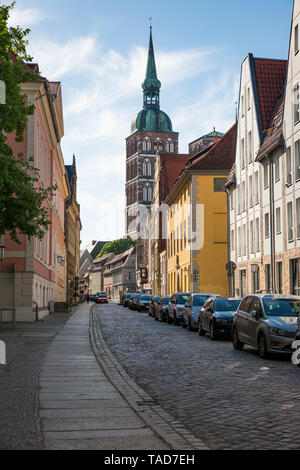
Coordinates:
190 316
216 317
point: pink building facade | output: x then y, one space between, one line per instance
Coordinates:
34 272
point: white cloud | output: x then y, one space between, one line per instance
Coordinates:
26 17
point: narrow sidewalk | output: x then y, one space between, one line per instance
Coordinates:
79 408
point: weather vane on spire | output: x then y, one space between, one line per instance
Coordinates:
150 20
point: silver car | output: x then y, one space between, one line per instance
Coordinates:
176 306
266 322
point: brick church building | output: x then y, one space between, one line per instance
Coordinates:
151 134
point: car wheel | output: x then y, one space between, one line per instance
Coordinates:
155 317
237 344
175 319
201 332
212 331
183 323
169 320
189 324
262 346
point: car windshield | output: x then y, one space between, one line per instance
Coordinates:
281 308
102 295
200 299
183 298
136 297
167 300
146 297
226 305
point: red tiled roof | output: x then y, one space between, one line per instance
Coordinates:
274 131
220 157
270 77
171 166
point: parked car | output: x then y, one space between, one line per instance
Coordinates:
176 306
92 297
101 298
143 302
266 322
126 299
216 317
153 305
160 312
190 314
133 301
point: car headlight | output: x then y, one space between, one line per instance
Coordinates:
278 332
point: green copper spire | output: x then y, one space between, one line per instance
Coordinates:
151 85
151 118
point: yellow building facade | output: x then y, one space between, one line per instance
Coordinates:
197 250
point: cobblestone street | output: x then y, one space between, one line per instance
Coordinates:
229 399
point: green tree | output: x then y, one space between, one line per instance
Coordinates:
21 194
117 246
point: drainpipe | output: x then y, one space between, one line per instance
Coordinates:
230 286
272 227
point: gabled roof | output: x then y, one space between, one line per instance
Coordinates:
274 132
121 256
219 157
171 166
269 77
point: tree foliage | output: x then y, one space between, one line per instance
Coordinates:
117 246
22 195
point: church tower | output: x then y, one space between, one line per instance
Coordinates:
151 133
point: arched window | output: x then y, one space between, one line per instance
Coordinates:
144 145
148 145
149 169
149 193
172 149
145 194
168 146
145 168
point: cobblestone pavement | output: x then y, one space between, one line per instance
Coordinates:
229 399
26 348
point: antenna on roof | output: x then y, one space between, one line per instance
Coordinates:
150 20
236 111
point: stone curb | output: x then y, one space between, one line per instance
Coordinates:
162 423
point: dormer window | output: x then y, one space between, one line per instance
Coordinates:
296 32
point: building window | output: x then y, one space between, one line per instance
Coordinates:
296 104
243 153
238 200
278 221
256 188
219 185
257 239
149 193
244 240
144 168
297 160
288 166
145 194
250 192
296 32
249 143
279 277
277 168
242 106
231 200
249 98
239 240
149 166
232 240
251 237
243 196
268 277
266 175
267 225
298 217
290 222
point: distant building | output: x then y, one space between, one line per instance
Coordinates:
119 275
96 273
204 142
72 234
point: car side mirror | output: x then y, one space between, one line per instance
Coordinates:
255 314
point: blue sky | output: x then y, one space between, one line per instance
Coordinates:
97 49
